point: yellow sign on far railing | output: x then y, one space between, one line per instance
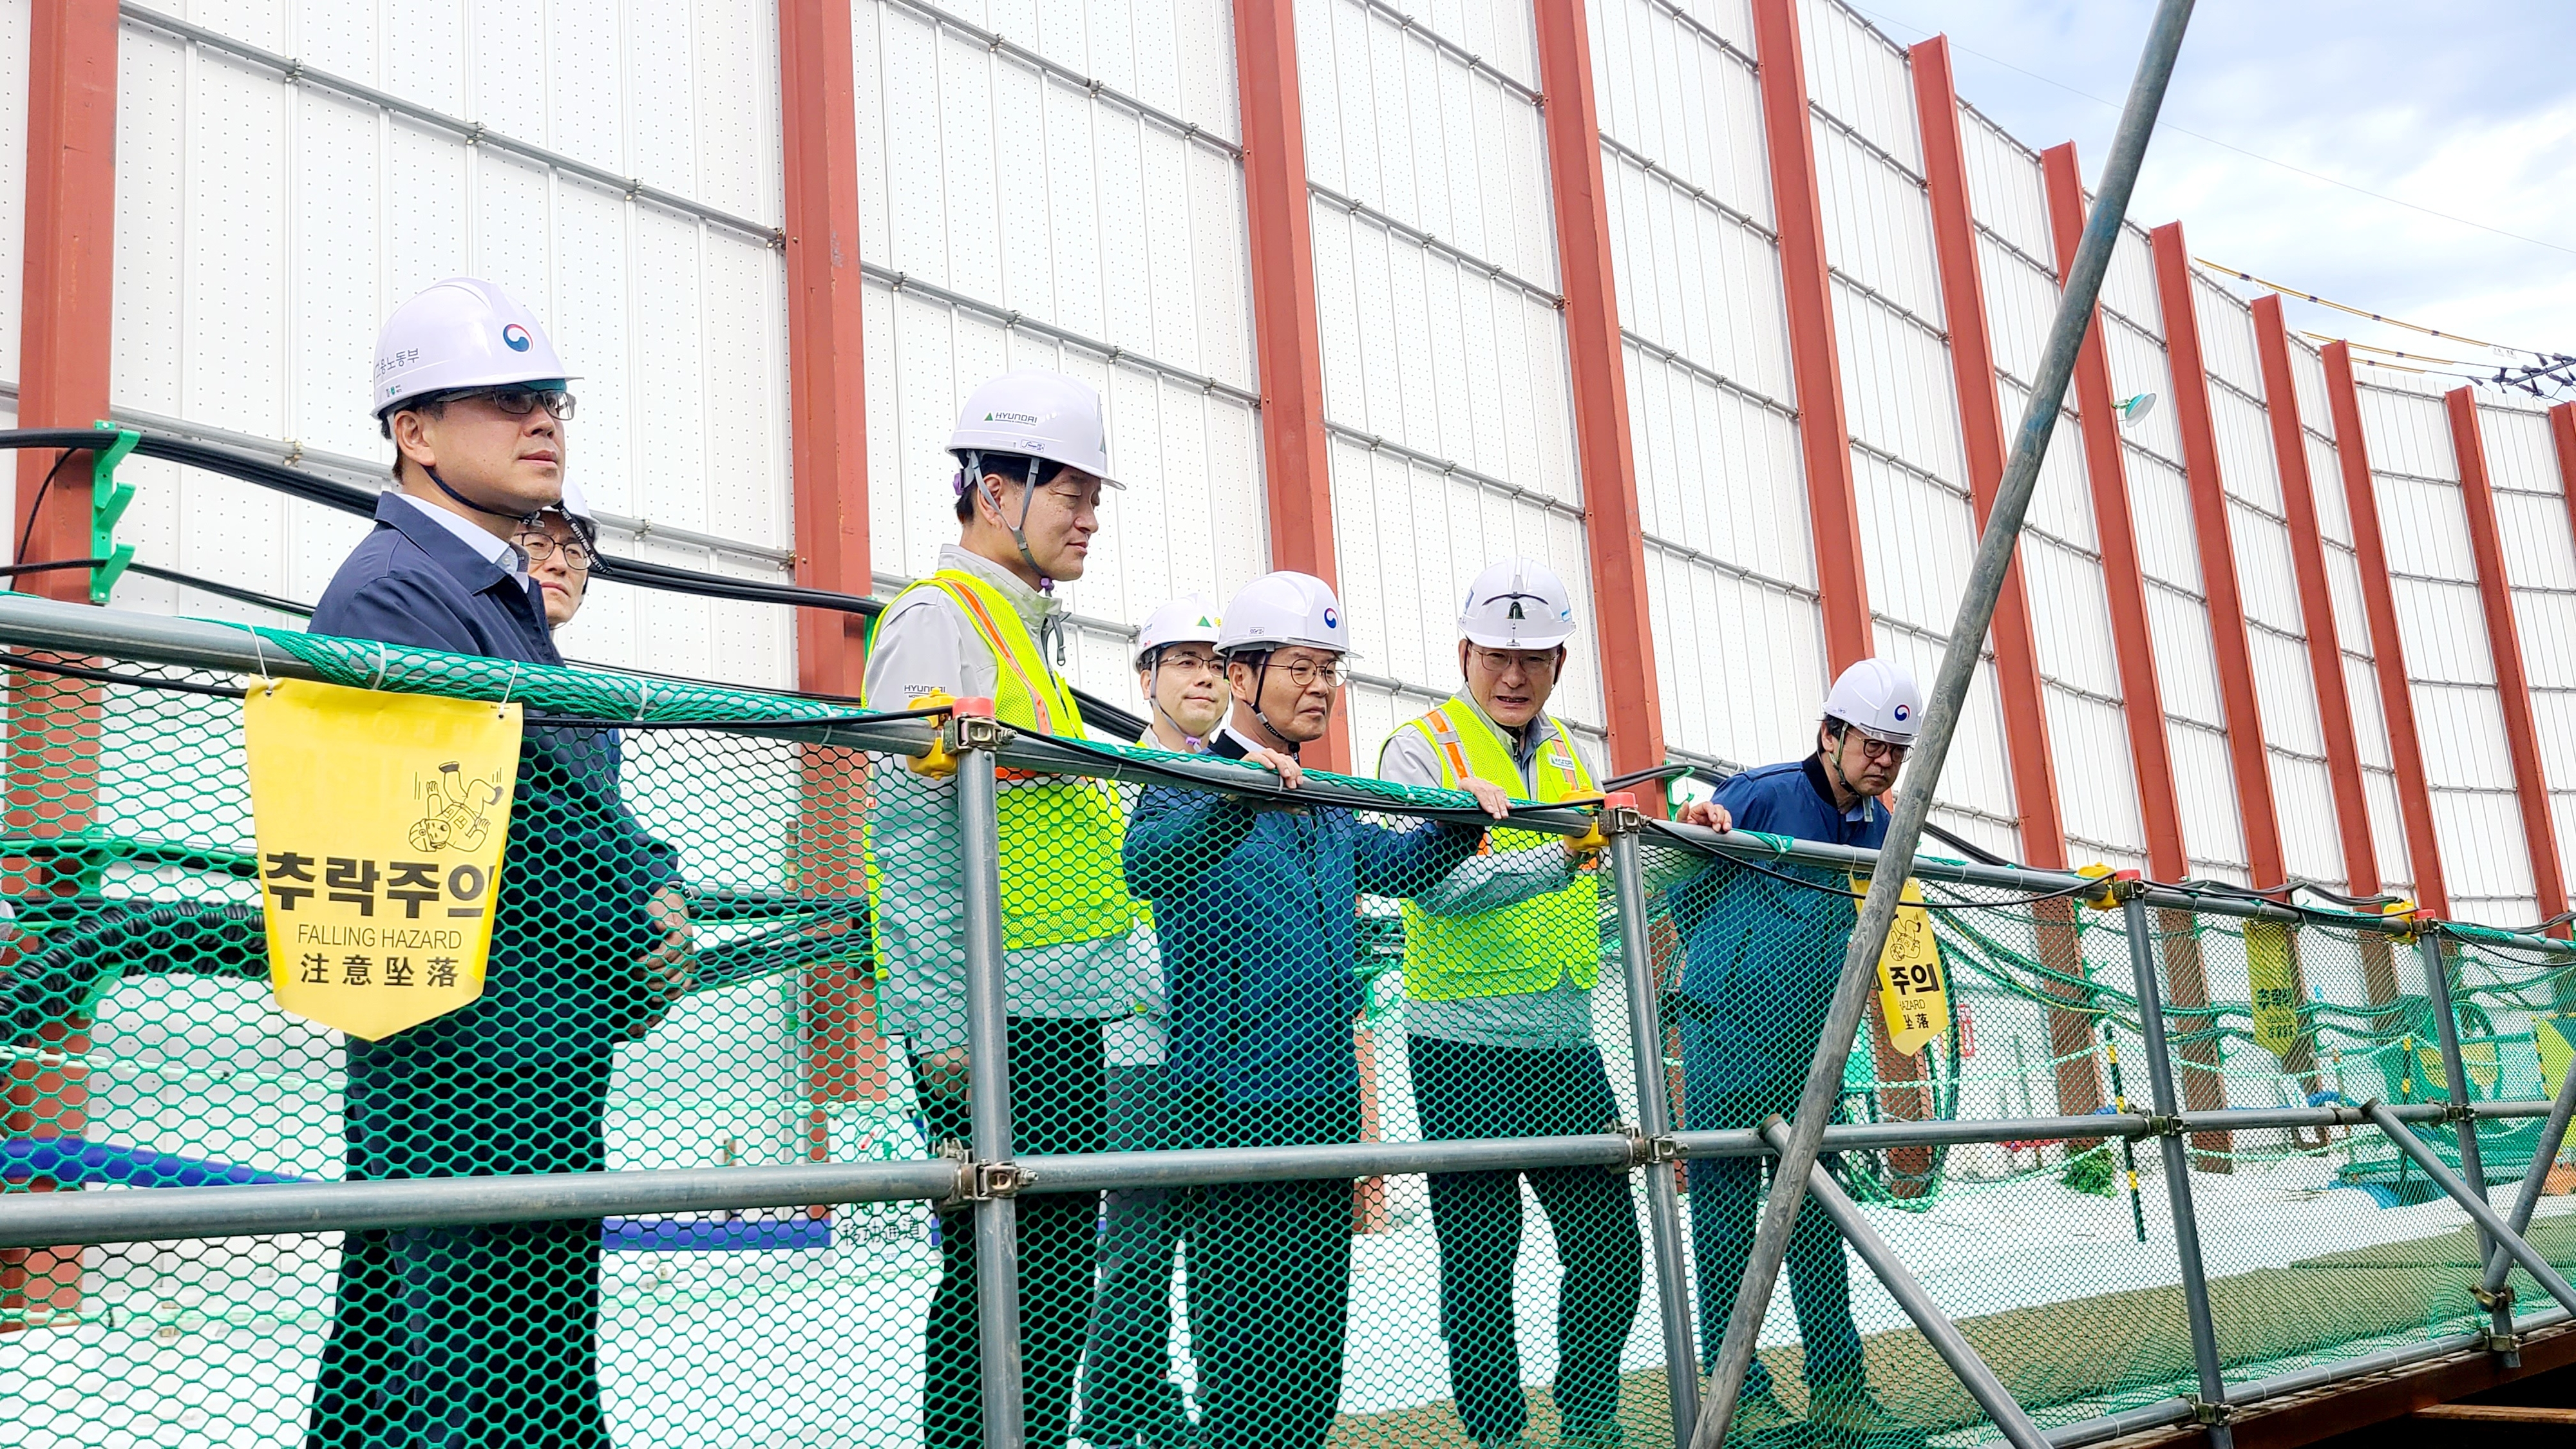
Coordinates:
1911 992
380 820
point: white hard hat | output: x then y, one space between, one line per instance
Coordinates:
1517 604
1189 619
576 506
1277 610
463 332
1036 414
1878 699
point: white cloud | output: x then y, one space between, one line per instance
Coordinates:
2462 111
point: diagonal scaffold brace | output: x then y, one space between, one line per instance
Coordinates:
2544 1155
2507 1241
1958 667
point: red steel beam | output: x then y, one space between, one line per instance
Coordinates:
2387 646
1614 524
2316 599
2141 692
67 321
1824 438
826 379
2504 643
2325 643
2028 754
845 1057
2232 650
1295 452
1815 362
1981 428
2124 583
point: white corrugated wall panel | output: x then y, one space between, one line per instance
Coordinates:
264 230
2540 569
1026 193
2005 187
1859 75
1435 277
1730 568
2433 580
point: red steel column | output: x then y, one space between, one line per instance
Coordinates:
2028 754
2141 692
2325 644
1824 439
826 379
845 1057
1294 451
1613 523
2387 646
2504 642
54 725
2234 653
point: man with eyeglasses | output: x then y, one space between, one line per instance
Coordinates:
1257 908
1761 959
1499 963
490 1334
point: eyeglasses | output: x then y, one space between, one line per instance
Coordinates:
1881 750
517 402
538 544
1500 661
1304 672
1192 663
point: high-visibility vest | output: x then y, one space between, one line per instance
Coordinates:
1527 947
1062 837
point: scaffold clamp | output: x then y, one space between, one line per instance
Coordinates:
2494 1300
2508 1343
1619 815
1645 1151
2153 1125
2210 1414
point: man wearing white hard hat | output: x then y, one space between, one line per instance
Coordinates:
1031 454
1257 909
1499 964
589 940
1129 1397
1761 959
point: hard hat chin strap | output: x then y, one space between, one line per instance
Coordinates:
1260 686
465 502
1154 697
1020 530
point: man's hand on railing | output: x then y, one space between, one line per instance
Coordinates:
1707 814
666 972
947 1073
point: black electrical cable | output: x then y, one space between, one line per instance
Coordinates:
2083 887
36 509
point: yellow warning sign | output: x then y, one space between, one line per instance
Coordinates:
2273 973
1910 987
380 820
2555 1036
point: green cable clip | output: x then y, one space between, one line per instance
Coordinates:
108 500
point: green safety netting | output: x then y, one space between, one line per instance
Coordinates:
1192 961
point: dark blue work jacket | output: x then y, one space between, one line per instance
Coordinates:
1257 913
1761 956
577 872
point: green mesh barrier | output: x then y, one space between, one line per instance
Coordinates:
717 950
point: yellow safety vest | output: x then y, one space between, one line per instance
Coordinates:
1527 947
1062 837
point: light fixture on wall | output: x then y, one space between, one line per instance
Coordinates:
2135 407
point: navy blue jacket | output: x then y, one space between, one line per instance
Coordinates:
1257 911
577 871
1761 956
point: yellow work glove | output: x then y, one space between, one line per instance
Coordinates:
939 764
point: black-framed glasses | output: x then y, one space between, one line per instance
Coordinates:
1501 661
517 402
1303 672
1872 749
537 544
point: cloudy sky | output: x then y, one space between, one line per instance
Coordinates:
2467 111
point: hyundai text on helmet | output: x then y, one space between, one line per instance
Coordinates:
461 333
1878 699
1517 604
1032 413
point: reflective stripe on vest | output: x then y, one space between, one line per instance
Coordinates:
1062 838
1527 947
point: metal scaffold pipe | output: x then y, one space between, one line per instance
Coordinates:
1949 691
